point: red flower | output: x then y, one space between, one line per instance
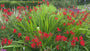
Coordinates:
27 7
19 35
64 13
5 10
35 9
40 32
2 5
27 38
72 32
57 47
39 44
56 18
17 17
20 19
82 42
47 3
30 17
64 38
5 40
30 10
6 19
14 31
58 29
33 45
9 13
46 35
68 6
43 0
75 38
3 27
73 43
9 42
58 37
68 24
67 32
64 24
81 38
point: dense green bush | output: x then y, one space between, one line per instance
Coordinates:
44 28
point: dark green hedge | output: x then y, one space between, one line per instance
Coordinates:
10 4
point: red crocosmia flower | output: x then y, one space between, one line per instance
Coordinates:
72 13
9 13
28 21
77 24
18 7
64 24
72 32
67 32
17 17
64 38
58 37
83 19
83 12
33 2
2 5
40 32
80 22
27 38
20 19
30 10
36 39
82 42
5 10
57 47
47 3
64 13
65 9
73 21
33 45
30 17
40 9
78 12
6 19
5 40
56 18
27 7
4 15
13 9
70 10
73 43
35 8
3 27
46 35
2 43
58 29
14 31
39 44
9 42
19 35
68 6
68 24
76 39
81 38
43 0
